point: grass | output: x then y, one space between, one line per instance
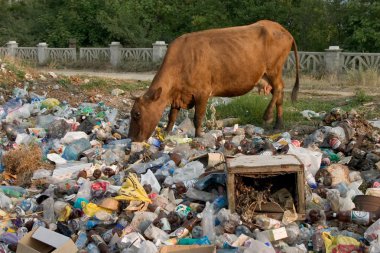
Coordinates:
250 108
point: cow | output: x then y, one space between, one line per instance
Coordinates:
223 62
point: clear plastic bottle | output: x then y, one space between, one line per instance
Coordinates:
92 248
48 207
318 244
81 240
208 222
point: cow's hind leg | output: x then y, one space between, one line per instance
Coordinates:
172 118
277 99
200 110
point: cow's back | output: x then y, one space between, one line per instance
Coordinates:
224 62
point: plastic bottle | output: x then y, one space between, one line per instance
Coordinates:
219 203
74 149
141 168
318 244
208 222
197 232
13 191
186 228
48 207
359 217
310 179
92 248
94 237
81 240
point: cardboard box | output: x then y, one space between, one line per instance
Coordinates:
188 249
42 240
286 170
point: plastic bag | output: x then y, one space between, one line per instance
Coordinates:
339 173
254 246
341 244
310 159
84 190
371 233
5 201
133 190
147 247
375 245
150 179
189 171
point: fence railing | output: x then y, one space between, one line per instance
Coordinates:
27 53
94 54
62 54
361 61
137 54
308 61
3 51
332 60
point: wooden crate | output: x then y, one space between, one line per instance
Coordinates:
286 170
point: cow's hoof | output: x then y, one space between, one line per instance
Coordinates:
278 126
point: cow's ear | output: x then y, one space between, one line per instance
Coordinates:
154 95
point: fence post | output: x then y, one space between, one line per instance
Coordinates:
11 48
159 50
115 57
42 53
333 60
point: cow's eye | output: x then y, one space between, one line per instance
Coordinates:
136 115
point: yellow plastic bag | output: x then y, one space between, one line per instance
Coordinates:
64 216
133 190
91 209
340 244
49 103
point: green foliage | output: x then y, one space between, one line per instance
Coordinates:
315 24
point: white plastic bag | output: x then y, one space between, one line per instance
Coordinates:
149 178
188 172
371 233
147 247
73 136
310 159
5 201
375 245
257 246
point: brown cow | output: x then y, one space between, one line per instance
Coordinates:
223 62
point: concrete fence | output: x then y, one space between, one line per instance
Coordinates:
333 60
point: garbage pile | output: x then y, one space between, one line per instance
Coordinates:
72 181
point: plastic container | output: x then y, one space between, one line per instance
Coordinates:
74 149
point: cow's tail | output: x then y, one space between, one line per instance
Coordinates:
297 83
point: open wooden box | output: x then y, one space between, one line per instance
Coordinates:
280 171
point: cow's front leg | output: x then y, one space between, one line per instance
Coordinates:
200 110
172 118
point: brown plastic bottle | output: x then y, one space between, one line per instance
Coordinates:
99 242
358 217
187 227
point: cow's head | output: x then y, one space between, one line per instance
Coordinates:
145 115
